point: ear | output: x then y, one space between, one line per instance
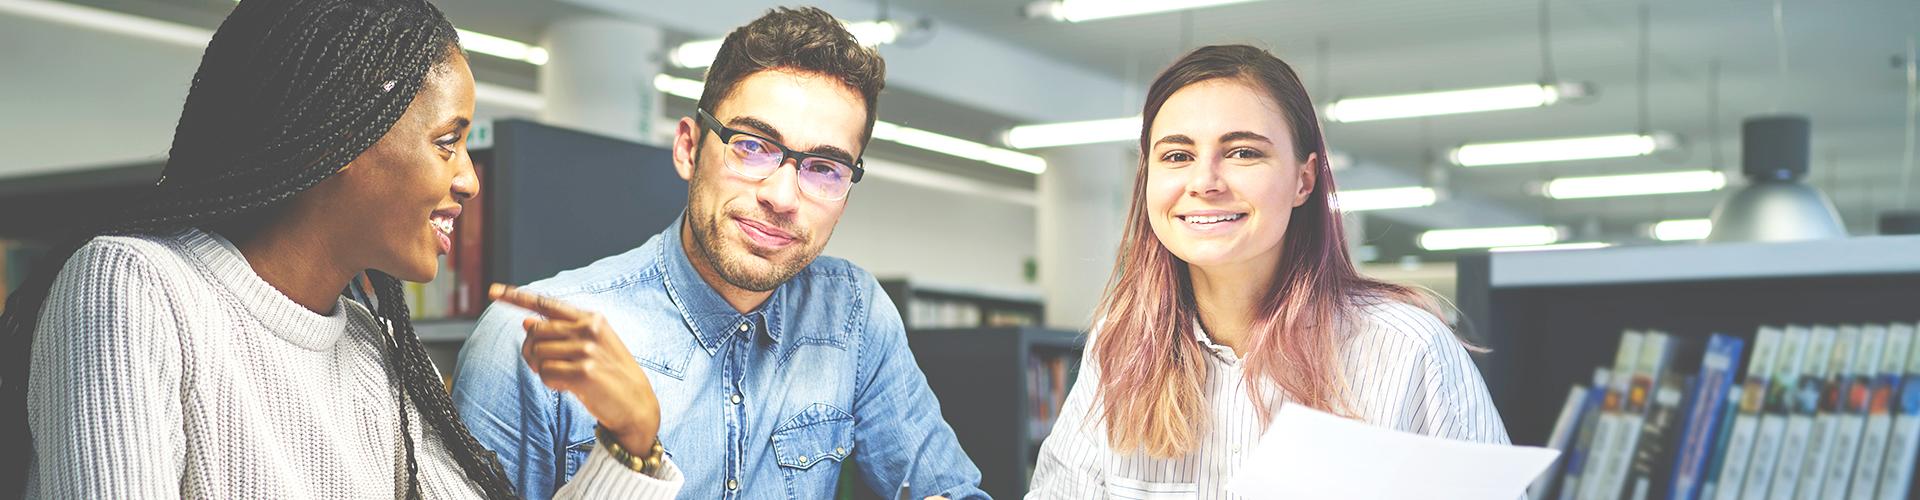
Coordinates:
1309 172
686 138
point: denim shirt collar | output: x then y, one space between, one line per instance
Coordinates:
708 315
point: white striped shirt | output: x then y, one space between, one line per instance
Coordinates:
1403 370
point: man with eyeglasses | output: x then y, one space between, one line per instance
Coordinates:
758 366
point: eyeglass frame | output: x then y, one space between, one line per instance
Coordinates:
726 134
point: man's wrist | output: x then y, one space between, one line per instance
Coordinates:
645 460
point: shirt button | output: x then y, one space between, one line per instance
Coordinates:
839 451
743 327
732 485
803 460
736 399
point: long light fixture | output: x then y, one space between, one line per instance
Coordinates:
1360 200
897 134
502 48
1682 229
1692 181
1074 11
700 53
1073 133
1532 95
109 21
1561 149
1583 245
1488 237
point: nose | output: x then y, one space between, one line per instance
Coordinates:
466 180
1204 178
780 192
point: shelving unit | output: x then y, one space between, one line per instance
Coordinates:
975 372
1551 317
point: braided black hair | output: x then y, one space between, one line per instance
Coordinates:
287 93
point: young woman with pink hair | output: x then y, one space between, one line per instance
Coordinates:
1234 294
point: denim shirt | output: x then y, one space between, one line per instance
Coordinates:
767 404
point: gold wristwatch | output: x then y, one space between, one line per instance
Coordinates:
645 464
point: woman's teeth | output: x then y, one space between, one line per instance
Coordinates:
443 224
1211 219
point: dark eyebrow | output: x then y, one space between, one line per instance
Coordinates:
1174 139
762 128
1244 135
759 127
459 122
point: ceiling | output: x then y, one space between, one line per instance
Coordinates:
1842 69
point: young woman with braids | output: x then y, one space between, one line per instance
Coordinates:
198 344
1234 294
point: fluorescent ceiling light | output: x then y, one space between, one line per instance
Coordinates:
1682 229
700 53
1694 181
898 134
908 136
1533 95
678 87
1564 149
502 48
1074 11
1073 133
109 21
1357 200
1488 237
1584 245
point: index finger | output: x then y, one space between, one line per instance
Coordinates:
544 305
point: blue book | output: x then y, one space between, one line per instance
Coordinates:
1699 439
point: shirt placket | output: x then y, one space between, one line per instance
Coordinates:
736 346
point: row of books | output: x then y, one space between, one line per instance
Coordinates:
1049 375
935 313
1822 412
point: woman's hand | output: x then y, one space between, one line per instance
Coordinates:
576 351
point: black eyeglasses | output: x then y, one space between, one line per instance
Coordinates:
757 157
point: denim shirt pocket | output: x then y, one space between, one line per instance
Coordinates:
820 433
577 454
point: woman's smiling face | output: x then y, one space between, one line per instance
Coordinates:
1222 175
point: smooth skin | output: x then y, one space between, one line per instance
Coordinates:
1223 148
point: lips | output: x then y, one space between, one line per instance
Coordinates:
763 234
442 222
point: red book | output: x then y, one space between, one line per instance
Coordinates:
469 253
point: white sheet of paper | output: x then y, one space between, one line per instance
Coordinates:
1308 454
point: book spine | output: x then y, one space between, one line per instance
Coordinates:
1853 415
1773 423
1904 442
1583 438
1563 429
1716 376
470 256
1820 442
1873 442
1655 449
1606 436
1733 473
1729 408
1640 394
1805 406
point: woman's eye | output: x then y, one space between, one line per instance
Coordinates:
446 143
1176 157
1245 154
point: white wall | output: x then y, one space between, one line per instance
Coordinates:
896 229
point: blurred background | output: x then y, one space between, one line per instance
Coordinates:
1697 168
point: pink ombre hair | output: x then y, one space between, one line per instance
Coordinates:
1151 367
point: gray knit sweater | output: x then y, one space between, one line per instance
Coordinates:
164 366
